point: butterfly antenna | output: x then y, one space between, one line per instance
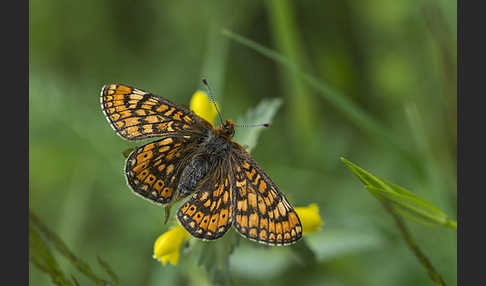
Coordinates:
205 82
254 125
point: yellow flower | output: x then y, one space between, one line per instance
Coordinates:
310 218
167 246
202 106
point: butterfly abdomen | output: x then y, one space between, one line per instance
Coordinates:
211 152
192 174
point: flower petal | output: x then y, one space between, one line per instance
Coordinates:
202 106
310 218
167 245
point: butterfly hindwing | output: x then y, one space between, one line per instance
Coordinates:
135 114
261 212
153 170
208 214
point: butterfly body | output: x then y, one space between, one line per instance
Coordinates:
213 149
191 158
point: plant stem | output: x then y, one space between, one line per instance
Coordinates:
433 274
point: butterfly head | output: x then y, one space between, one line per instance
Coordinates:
228 128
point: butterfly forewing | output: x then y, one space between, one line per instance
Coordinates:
261 212
208 214
135 114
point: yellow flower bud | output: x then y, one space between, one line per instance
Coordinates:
310 218
167 246
202 106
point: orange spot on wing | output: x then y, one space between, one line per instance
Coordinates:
198 217
125 114
150 179
167 192
213 223
281 209
185 207
166 141
262 208
293 219
223 218
159 185
242 206
262 187
144 156
205 221
140 112
149 147
244 221
187 119
132 121
152 119
271 226
161 108
115 116
271 237
143 175
118 96
278 227
263 234
120 108
191 210
124 88
285 226
253 221
252 200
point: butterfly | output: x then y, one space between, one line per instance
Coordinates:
192 158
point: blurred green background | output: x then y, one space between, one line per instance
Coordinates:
395 60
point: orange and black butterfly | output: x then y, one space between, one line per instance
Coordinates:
193 158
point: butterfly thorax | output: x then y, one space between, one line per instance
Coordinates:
213 150
226 130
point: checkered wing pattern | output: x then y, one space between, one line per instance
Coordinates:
135 114
261 212
208 214
153 170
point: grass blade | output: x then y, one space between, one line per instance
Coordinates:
403 201
41 256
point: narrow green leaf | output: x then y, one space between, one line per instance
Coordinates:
336 98
412 208
262 113
403 201
41 256
56 241
109 271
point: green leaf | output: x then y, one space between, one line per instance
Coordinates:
41 256
406 203
213 256
61 246
109 271
262 113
